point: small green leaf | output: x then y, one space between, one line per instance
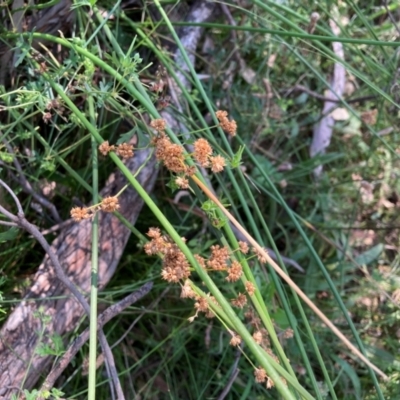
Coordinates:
126 137
370 255
237 158
280 319
6 157
172 184
10 234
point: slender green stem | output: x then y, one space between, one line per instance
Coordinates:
94 264
294 34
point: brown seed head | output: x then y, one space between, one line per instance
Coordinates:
105 148
201 304
158 124
240 301
175 266
154 233
219 257
258 337
183 183
110 204
201 260
187 291
250 288
260 375
125 150
217 164
235 340
243 247
270 383
234 272
260 256
229 127
79 213
202 152
47 117
288 333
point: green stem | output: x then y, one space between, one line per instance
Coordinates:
94 264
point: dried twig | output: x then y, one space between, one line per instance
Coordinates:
318 96
234 373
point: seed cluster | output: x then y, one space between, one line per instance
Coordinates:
175 267
173 155
109 204
230 127
124 150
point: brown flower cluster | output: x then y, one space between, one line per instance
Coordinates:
234 272
240 300
47 117
250 288
203 155
182 182
187 292
219 258
171 154
202 152
217 163
202 304
230 127
124 150
109 204
175 265
261 376
159 125
260 255
258 337
201 260
243 247
235 340
105 148
80 213
173 157
288 333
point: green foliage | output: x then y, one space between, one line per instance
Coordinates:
347 219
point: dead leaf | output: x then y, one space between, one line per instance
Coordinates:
271 60
369 117
340 114
248 75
